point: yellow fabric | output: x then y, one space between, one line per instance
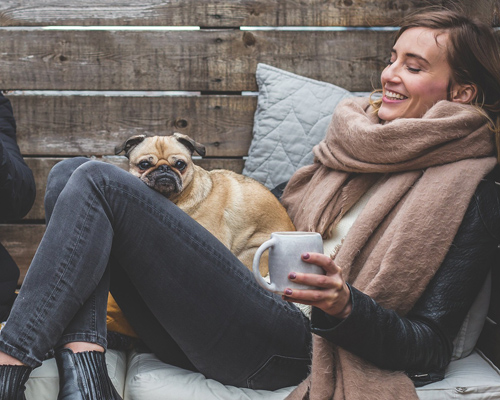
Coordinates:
116 321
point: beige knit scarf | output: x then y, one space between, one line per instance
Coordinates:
429 168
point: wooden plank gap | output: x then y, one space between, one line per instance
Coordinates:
103 93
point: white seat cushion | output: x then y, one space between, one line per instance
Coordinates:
147 378
43 383
150 379
473 377
470 378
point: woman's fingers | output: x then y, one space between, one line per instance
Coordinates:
320 281
309 297
332 294
333 302
331 279
321 260
316 296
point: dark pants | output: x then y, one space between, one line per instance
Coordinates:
9 275
184 293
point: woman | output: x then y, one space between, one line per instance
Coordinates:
183 292
418 252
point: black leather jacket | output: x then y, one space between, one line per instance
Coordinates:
17 194
421 342
17 185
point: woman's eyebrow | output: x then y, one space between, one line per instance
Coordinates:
412 55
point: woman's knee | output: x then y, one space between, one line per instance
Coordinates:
57 179
93 175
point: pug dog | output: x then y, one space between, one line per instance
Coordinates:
237 210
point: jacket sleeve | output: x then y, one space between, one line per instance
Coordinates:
17 185
421 341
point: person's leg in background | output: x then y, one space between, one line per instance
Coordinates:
9 276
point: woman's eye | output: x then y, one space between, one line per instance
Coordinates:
144 165
180 165
414 70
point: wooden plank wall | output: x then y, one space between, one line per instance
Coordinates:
148 79
225 13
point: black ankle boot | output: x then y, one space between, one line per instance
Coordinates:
12 381
84 376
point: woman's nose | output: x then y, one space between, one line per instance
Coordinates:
391 73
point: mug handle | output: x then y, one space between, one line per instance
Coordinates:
256 262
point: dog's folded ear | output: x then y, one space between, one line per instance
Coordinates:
128 145
191 144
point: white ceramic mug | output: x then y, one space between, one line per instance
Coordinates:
285 250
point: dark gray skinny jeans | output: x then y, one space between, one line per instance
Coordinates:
187 296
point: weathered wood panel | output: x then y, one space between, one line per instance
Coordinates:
21 241
42 166
227 13
208 60
94 125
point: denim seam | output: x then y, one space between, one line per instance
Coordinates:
93 318
275 358
19 354
92 337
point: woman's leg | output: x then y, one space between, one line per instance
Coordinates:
66 270
206 300
81 364
227 344
149 329
195 305
82 367
90 320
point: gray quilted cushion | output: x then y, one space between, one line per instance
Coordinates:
293 114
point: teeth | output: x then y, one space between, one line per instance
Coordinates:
393 95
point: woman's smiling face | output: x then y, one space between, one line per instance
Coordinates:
418 74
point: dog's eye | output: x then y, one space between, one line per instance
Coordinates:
144 165
180 165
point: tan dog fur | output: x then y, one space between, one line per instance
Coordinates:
239 211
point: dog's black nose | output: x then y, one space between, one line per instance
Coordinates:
164 168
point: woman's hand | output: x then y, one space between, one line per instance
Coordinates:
333 295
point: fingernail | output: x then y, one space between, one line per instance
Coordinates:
288 292
306 256
292 275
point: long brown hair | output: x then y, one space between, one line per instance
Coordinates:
473 55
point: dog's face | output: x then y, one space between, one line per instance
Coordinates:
164 163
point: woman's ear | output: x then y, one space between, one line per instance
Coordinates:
464 93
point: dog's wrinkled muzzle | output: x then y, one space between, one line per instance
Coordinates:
164 180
